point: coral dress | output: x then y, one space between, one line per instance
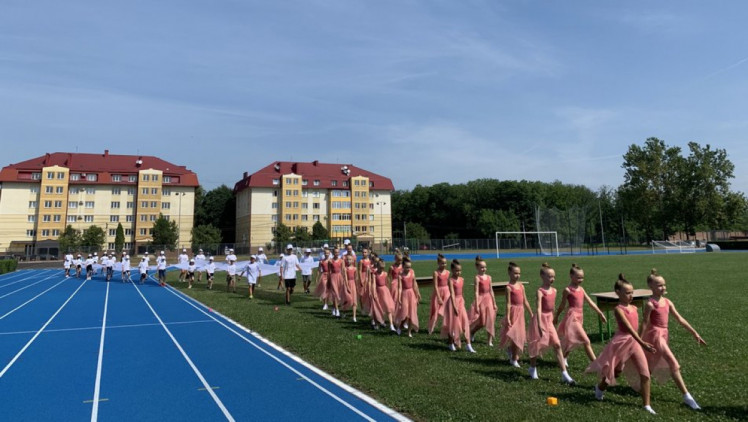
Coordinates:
455 324
516 334
321 290
407 309
483 311
662 362
349 297
442 289
381 303
395 277
537 343
571 329
623 353
363 292
335 282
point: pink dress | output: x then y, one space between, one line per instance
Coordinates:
363 292
321 290
382 303
442 288
538 343
623 353
571 329
407 309
454 324
662 362
335 282
349 297
516 334
483 312
394 276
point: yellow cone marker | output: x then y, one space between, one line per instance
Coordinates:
551 401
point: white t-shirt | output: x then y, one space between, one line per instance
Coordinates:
306 269
191 268
211 267
77 262
183 258
253 272
161 262
143 267
147 259
110 262
69 258
231 269
90 261
262 258
125 264
288 266
230 257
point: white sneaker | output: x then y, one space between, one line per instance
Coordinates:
490 344
688 400
533 371
599 394
324 308
376 327
649 409
514 363
354 319
470 348
566 379
397 331
405 325
452 347
392 328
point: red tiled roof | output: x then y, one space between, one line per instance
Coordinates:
324 172
104 165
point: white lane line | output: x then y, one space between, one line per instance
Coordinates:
97 385
39 332
18 281
333 380
189 361
30 300
110 327
26 287
17 272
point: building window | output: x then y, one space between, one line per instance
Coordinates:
90 191
74 191
334 183
165 205
276 182
88 218
296 217
115 204
154 204
315 194
154 191
316 182
130 205
113 218
32 219
129 218
165 192
371 217
143 232
46 218
288 204
289 180
116 191
144 191
143 204
304 206
304 217
116 178
32 204
50 175
75 176
36 176
274 205
371 184
296 204
143 218
91 177
34 189
30 233
56 218
345 183
315 218
288 217
315 205
146 177
60 175
112 232
47 204
304 182
304 194
89 204
45 232
132 178
72 219
167 179
152 217
128 232
131 191
288 192
48 189
55 233
111 245
155 177
59 189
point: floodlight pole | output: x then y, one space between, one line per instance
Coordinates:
602 228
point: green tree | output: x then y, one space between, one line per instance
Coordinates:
491 221
218 208
93 238
206 236
281 236
319 232
301 234
70 239
165 233
119 239
416 231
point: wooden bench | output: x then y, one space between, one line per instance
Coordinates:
607 301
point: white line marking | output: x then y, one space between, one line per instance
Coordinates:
26 287
97 385
18 281
109 327
30 300
39 332
340 384
189 361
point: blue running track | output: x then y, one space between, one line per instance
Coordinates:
72 349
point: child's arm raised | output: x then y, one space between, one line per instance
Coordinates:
682 321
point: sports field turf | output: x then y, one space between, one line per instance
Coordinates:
423 379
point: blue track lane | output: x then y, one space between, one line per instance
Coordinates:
144 375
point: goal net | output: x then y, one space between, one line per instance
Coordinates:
675 246
527 242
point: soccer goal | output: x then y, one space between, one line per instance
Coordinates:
539 243
676 246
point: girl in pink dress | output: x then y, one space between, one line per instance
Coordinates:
364 273
513 333
408 297
395 270
440 294
350 282
625 351
543 334
335 283
455 323
382 304
483 311
654 330
322 279
571 330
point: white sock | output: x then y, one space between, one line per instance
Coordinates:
649 409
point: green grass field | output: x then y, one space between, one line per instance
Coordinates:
422 379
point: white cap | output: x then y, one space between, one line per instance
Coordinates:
146 252
231 250
210 259
289 246
184 250
127 256
200 250
308 250
192 260
346 241
325 245
260 249
162 252
96 253
253 256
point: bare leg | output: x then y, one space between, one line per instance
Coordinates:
589 351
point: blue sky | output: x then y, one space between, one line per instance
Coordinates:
420 91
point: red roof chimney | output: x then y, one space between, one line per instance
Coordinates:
106 153
315 162
245 174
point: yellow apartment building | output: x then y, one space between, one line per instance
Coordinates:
41 196
347 200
